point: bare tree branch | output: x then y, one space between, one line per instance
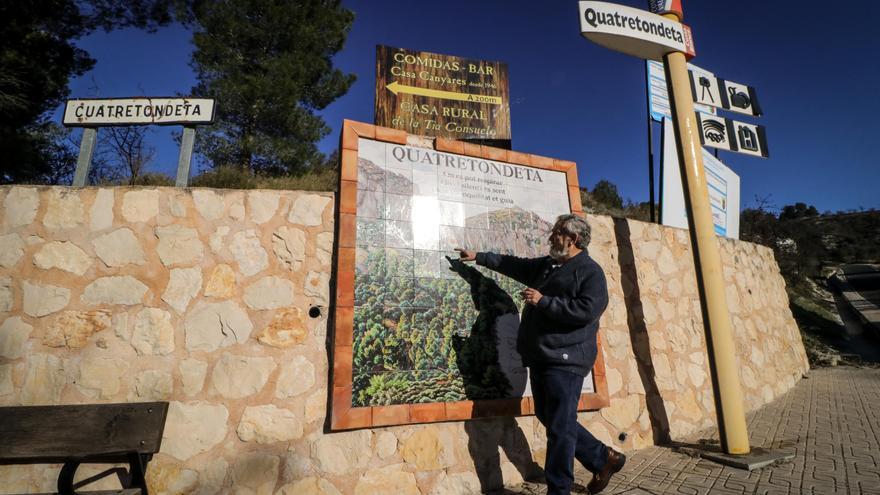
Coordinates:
128 149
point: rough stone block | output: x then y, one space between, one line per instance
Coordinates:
297 376
289 246
208 203
235 377
269 293
178 245
255 473
72 329
14 334
41 300
210 326
11 250
248 252
262 205
64 209
183 285
44 380
192 375
124 290
308 210
269 424
20 206
286 329
101 212
193 427
221 284
153 332
140 205
119 248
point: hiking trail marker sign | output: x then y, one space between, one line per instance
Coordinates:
94 113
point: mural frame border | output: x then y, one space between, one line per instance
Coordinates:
342 415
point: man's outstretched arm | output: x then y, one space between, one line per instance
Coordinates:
523 270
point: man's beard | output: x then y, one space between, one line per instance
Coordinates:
558 254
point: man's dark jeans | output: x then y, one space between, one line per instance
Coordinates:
556 393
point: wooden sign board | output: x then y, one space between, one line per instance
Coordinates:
411 344
435 95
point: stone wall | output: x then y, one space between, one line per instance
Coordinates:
202 298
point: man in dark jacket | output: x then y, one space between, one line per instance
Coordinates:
565 296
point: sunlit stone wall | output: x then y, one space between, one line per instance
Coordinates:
201 298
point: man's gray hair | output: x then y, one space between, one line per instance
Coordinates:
575 225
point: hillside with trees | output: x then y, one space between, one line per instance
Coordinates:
809 246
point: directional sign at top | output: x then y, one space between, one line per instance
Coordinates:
442 95
633 31
716 92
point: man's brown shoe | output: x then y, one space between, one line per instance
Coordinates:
600 480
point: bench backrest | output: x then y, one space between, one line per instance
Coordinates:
48 434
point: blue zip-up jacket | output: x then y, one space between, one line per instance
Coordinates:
560 331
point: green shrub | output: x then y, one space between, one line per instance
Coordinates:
225 177
321 179
153 179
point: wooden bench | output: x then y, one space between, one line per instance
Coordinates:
80 434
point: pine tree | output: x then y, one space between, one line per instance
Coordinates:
38 58
268 63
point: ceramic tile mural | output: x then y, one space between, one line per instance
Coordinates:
428 328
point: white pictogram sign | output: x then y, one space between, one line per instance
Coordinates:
720 93
732 135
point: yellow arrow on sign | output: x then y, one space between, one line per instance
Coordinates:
446 95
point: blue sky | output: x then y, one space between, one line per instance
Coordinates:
815 68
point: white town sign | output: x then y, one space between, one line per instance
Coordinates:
634 32
138 111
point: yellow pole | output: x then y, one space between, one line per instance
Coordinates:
728 394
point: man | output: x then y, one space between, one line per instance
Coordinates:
565 296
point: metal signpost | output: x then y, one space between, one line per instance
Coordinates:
94 113
651 36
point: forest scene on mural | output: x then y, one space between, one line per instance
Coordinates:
427 327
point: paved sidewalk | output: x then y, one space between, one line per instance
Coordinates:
831 420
